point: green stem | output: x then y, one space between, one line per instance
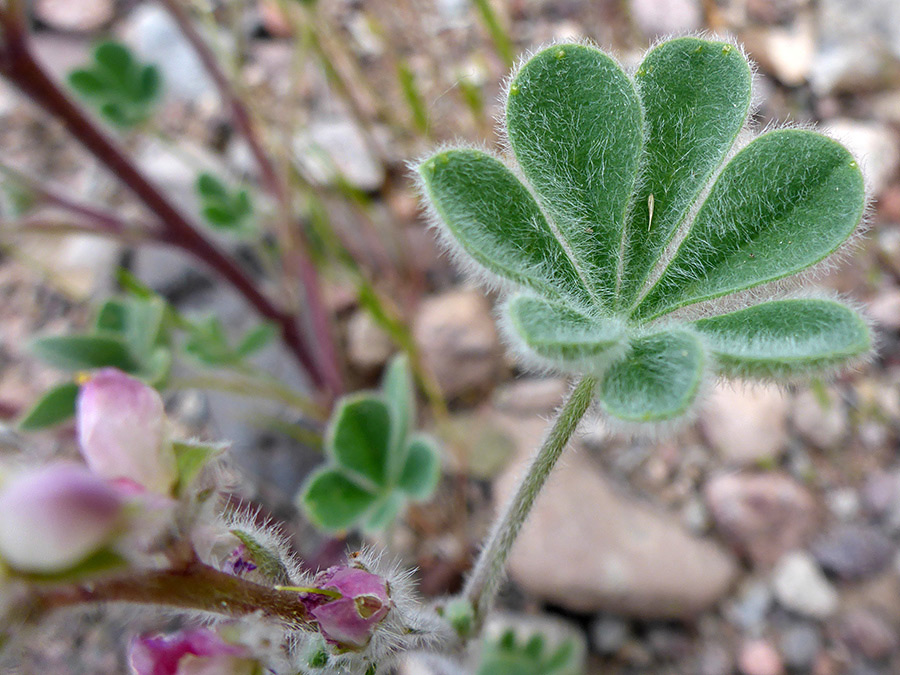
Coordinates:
482 584
255 387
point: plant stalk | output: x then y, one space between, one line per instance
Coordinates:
485 578
193 586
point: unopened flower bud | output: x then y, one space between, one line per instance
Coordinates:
353 604
54 517
122 431
189 652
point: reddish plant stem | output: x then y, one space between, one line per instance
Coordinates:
21 68
193 586
296 256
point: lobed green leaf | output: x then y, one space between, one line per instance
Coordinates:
334 502
696 97
56 406
657 381
555 331
422 470
359 438
785 338
785 202
574 123
496 220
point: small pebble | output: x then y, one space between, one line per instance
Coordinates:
758 657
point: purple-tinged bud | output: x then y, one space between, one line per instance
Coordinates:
189 652
355 603
54 517
122 431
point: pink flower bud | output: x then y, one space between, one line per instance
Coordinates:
348 621
122 431
189 652
54 517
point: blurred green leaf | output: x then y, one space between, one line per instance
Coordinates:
55 406
85 352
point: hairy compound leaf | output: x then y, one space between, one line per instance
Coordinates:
575 126
55 406
422 470
495 219
658 379
696 97
555 331
785 202
334 502
785 338
359 438
85 352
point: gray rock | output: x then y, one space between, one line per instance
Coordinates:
800 644
844 503
750 608
632 561
868 634
885 308
746 424
608 634
368 346
458 341
873 144
531 396
714 659
853 552
83 16
337 147
762 515
801 587
859 45
825 426
666 17
156 38
881 493
759 657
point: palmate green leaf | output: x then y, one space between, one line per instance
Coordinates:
555 331
575 127
85 352
496 221
384 513
785 202
359 436
333 501
55 406
785 338
658 379
696 97
422 470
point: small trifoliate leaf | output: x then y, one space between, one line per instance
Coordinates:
495 219
334 502
85 352
657 381
422 470
384 513
785 338
554 331
359 438
575 127
696 97
785 202
55 406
